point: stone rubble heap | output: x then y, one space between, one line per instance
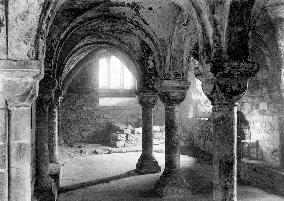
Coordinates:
125 135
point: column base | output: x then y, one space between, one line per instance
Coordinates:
46 191
46 195
147 165
171 183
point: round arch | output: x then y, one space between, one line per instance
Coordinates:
94 53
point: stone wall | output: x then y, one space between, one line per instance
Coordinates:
84 116
262 103
257 115
260 107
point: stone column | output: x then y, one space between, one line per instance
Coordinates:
4 151
19 85
280 36
53 133
172 93
44 184
224 151
21 145
224 90
281 140
147 164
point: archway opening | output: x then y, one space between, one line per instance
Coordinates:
100 111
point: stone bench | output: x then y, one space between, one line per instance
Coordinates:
258 174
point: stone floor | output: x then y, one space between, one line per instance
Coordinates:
110 177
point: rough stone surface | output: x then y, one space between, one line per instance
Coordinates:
147 163
51 38
83 119
53 133
172 94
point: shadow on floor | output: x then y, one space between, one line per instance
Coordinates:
65 189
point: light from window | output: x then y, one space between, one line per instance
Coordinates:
103 71
128 79
113 74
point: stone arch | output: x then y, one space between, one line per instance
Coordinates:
93 53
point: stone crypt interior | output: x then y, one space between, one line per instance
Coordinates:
142 100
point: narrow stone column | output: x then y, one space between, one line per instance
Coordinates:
147 164
4 151
224 91
224 151
280 36
281 141
172 93
44 184
53 133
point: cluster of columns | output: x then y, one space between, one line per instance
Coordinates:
223 92
171 93
47 146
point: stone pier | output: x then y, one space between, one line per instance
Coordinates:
147 164
53 132
45 184
172 93
224 91
224 151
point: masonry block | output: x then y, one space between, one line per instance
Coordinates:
20 184
3 156
21 124
3 126
4 185
20 154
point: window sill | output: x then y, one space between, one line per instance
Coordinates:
117 93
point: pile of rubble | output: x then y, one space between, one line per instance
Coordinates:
125 135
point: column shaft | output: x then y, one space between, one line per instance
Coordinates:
45 184
53 134
146 163
147 132
172 139
4 152
280 33
281 142
172 93
21 162
225 152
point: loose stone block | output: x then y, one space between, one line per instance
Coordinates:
118 137
117 144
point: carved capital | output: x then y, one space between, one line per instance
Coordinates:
228 81
19 81
240 70
224 91
24 94
147 99
172 92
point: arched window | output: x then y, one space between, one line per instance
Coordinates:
114 78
